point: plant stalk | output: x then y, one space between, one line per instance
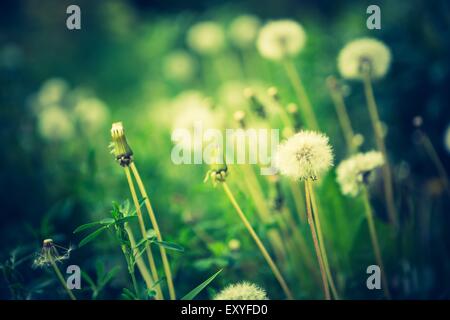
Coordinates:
260 245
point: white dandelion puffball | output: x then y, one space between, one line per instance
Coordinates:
55 124
281 39
242 291
52 91
350 172
91 113
179 66
243 31
447 139
305 155
364 50
206 38
192 112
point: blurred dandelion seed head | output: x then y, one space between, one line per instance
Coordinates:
206 38
243 31
361 53
55 124
52 91
352 172
91 113
179 66
242 291
305 155
280 39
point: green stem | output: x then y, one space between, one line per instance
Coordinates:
321 240
259 244
148 250
154 222
374 239
376 123
344 119
435 159
326 288
300 91
60 277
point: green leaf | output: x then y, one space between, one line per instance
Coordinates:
107 221
108 277
86 226
125 219
92 236
192 294
169 245
128 295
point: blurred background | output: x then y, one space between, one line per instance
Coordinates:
60 90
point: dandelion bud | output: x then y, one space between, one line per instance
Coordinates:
121 149
417 121
234 244
239 117
242 291
273 93
255 104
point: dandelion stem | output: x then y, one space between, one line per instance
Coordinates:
374 239
321 241
296 82
343 117
263 211
60 277
260 245
435 158
297 195
148 250
152 216
139 261
376 123
326 289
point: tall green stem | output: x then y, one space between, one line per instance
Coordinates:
300 91
154 222
148 250
343 117
60 277
321 240
259 243
376 123
374 239
326 288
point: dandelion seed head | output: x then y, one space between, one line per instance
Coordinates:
351 172
179 66
55 124
50 253
358 54
281 39
206 38
305 155
91 113
243 30
52 91
242 291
